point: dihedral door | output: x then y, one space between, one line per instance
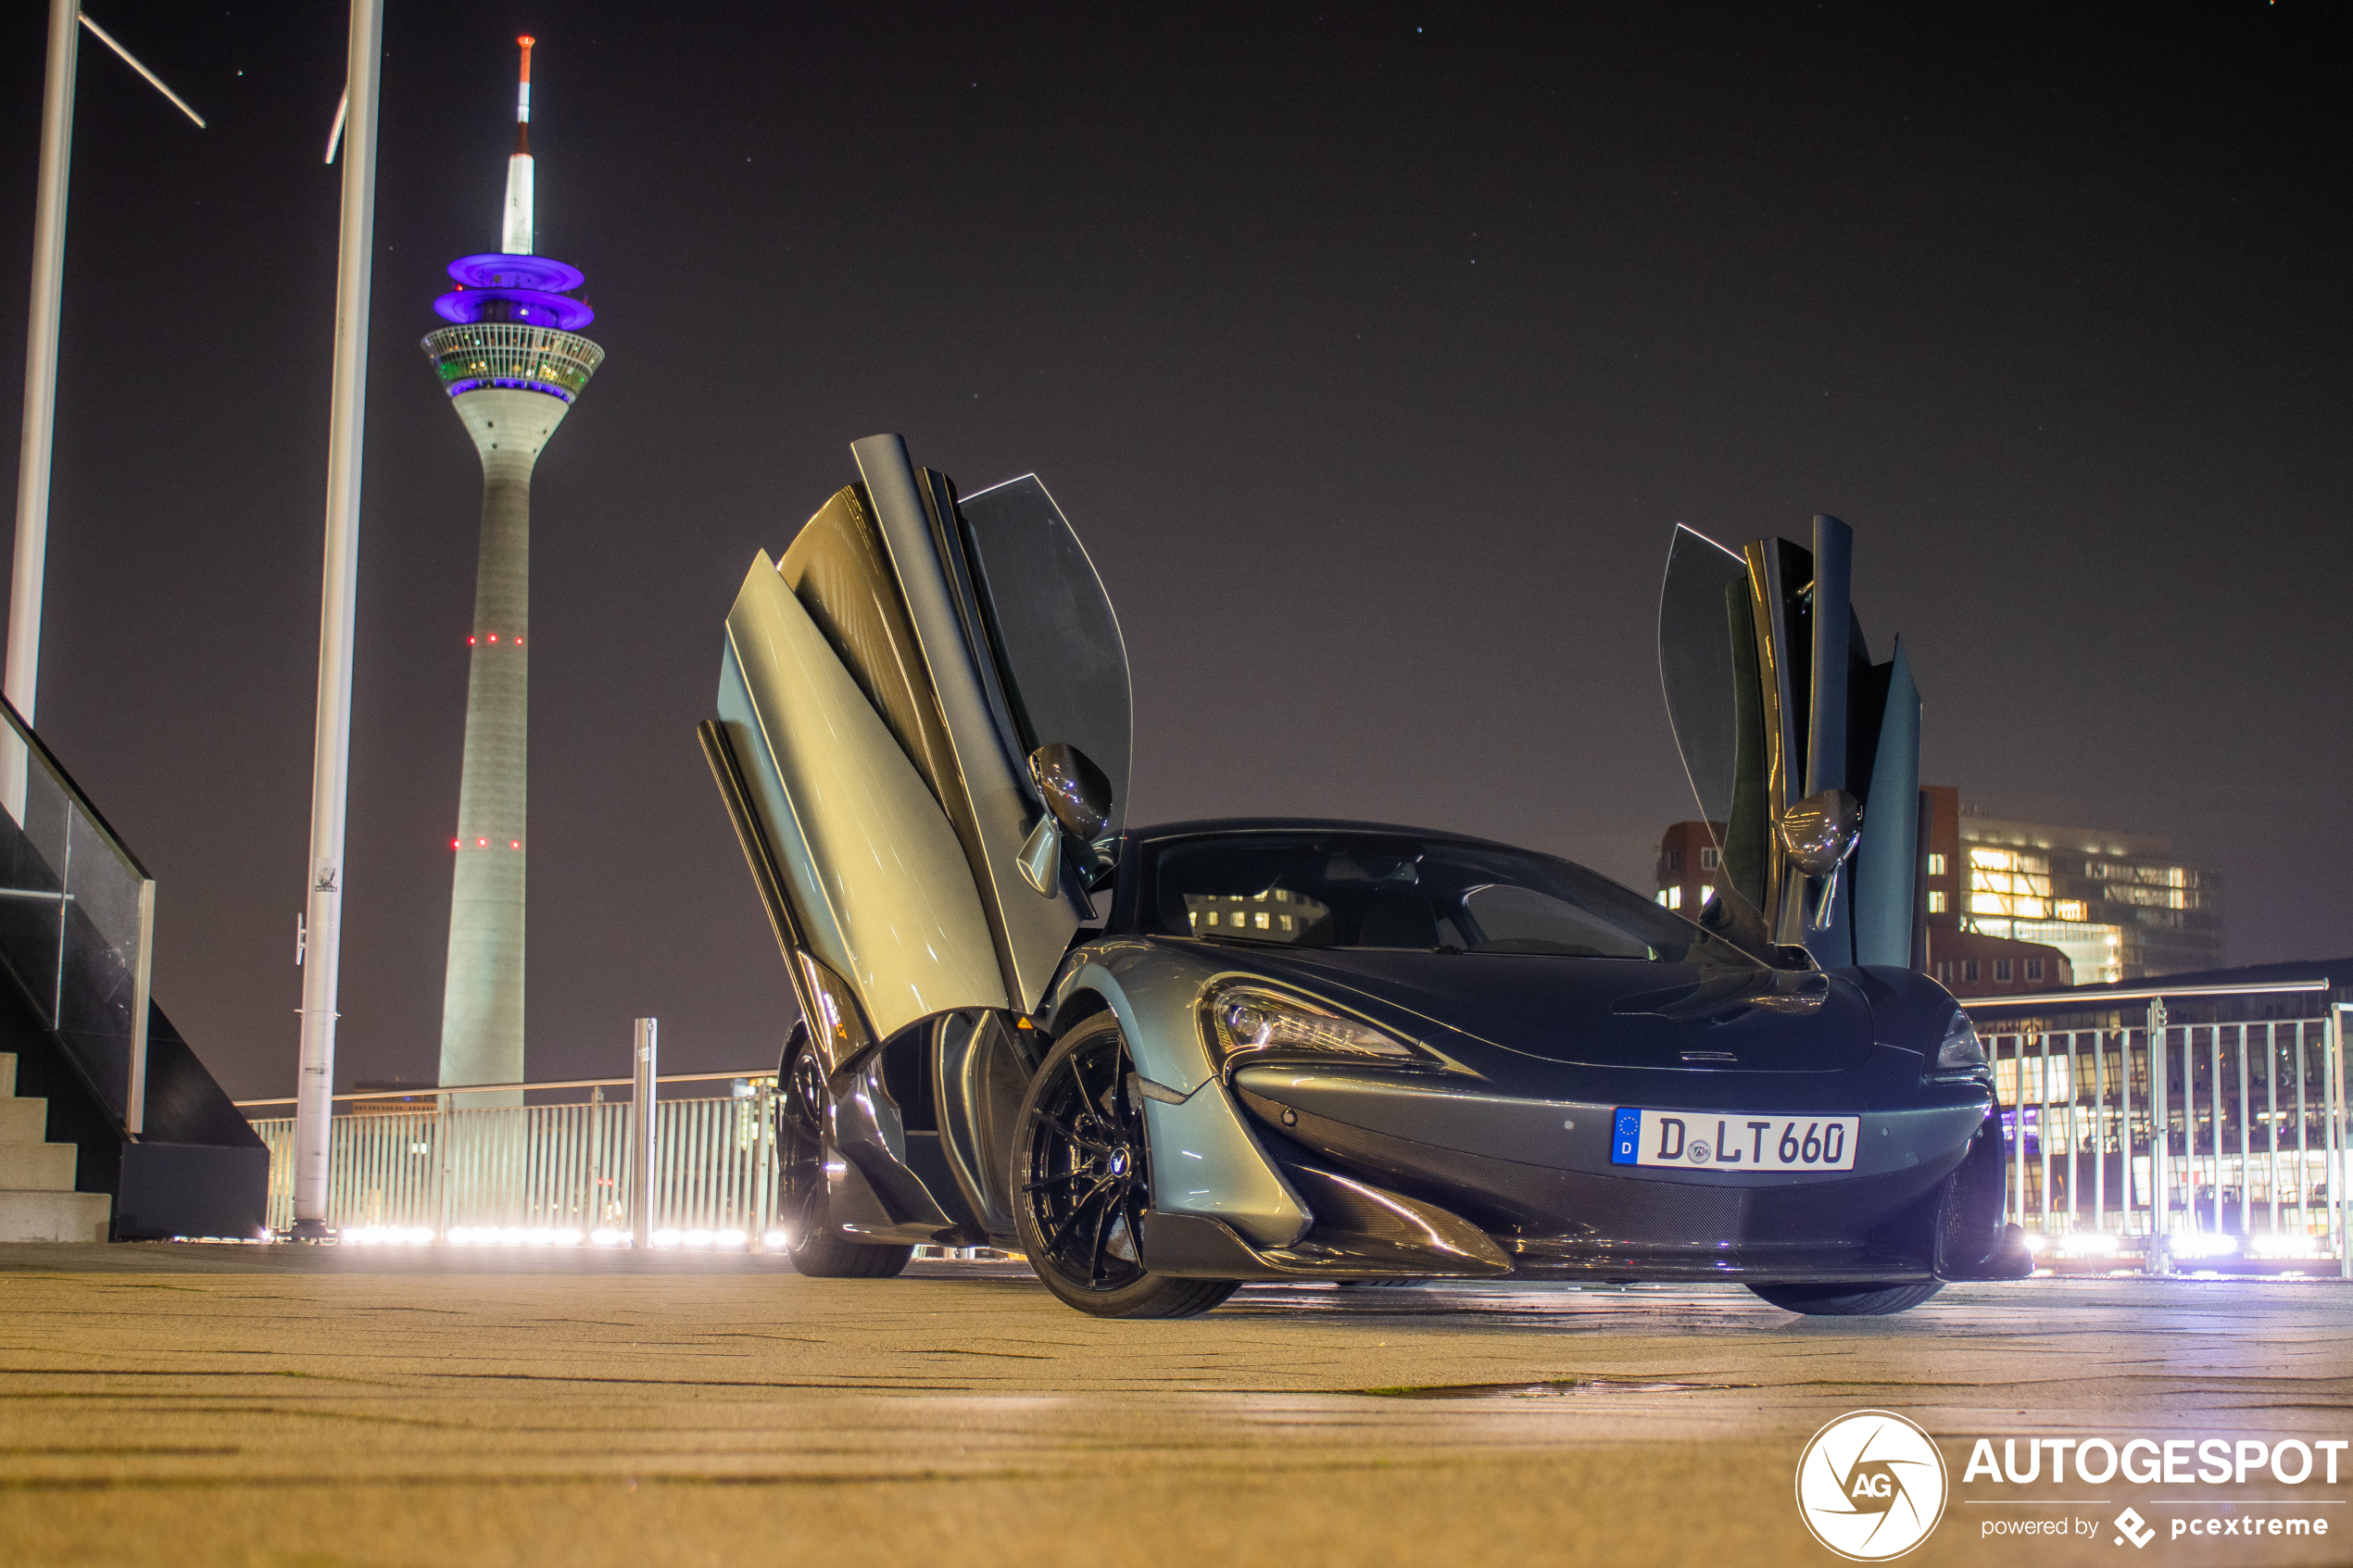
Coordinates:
1773 698
883 686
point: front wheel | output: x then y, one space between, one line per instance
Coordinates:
1848 1300
816 1247
1081 1184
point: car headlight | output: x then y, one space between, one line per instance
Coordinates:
1250 1020
1960 1053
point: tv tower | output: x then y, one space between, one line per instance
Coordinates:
512 362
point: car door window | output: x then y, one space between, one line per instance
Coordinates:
1060 657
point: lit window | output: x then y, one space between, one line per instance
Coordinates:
1662 898
1212 917
1937 901
2070 908
1261 923
1285 921
1936 865
2002 970
1706 891
1674 898
1707 859
2033 969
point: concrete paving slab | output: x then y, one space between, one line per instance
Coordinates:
487 1406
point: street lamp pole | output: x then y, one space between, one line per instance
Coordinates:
331 751
39 388
33 454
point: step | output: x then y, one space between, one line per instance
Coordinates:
24 1120
53 1216
37 1167
7 1075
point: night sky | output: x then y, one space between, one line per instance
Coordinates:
1373 354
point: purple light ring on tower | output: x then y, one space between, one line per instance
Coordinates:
496 268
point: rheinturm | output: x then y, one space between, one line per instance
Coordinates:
512 361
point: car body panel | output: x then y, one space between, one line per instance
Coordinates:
1205 1158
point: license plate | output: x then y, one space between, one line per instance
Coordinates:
1687 1139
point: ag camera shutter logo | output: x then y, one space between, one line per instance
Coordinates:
1870 1485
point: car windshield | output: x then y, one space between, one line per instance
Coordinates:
1384 890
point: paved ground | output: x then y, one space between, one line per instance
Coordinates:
315 1407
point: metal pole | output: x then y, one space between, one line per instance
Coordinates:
2124 1122
2099 1132
2074 1134
2246 1146
2214 1113
643 1220
2159 1260
40 392
330 750
2334 1044
2303 1139
134 1099
2043 1123
2272 1113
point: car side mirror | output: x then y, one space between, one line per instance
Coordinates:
1075 790
1818 833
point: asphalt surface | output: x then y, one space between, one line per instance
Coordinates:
321 1407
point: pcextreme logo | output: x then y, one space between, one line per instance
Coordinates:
1870 1485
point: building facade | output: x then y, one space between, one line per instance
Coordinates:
2121 905
2013 906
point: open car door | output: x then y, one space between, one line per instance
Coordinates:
1776 707
904 695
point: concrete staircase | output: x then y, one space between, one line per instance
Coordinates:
37 1199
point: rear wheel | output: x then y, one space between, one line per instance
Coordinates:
816 1247
1848 1300
1081 1184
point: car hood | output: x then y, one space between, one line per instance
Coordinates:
1598 1012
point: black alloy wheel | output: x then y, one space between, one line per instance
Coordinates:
816 1247
1082 1182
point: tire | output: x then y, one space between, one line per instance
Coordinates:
816 1247
1848 1300
1081 1179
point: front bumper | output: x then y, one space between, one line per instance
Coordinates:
1534 1176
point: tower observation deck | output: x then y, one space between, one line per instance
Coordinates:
512 361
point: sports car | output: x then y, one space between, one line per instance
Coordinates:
1160 1061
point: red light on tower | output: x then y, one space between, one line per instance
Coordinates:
454 845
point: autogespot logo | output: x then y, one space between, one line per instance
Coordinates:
1870 1485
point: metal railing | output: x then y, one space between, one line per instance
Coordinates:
2172 1141
558 1174
77 922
